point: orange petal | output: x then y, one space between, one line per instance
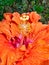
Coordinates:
34 17
8 16
23 48
16 17
14 30
6 32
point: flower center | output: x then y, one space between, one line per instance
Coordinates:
25 28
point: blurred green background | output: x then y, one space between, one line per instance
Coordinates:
40 6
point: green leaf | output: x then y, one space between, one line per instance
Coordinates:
32 3
6 2
19 1
38 8
1 9
47 15
1 2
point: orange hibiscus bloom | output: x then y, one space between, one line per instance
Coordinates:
23 40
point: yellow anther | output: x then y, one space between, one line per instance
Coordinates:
24 17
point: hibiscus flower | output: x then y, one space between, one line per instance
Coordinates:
24 40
